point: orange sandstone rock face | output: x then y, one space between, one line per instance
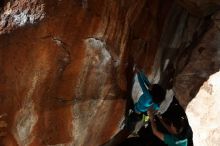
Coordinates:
66 66
18 13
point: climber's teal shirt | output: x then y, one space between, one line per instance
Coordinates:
145 100
173 141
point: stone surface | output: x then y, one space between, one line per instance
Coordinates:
17 13
200 7
203 113
184 53
204 62
66 66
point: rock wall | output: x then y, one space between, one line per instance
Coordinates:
188 52
66 65
205 121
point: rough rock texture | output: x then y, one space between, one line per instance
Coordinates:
19 12
205 120
200 8
204 61
66 65
185 51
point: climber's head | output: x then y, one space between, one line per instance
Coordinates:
158 93
177 124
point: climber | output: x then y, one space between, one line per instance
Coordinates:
176 110
152 95
176 126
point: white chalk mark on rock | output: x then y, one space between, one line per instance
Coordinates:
96 45
26 118
166 64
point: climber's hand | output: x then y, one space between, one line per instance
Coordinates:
151 112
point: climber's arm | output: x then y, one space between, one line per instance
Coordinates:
156 132
141 82
144 78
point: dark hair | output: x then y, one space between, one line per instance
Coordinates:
179 124
158 93
179 121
